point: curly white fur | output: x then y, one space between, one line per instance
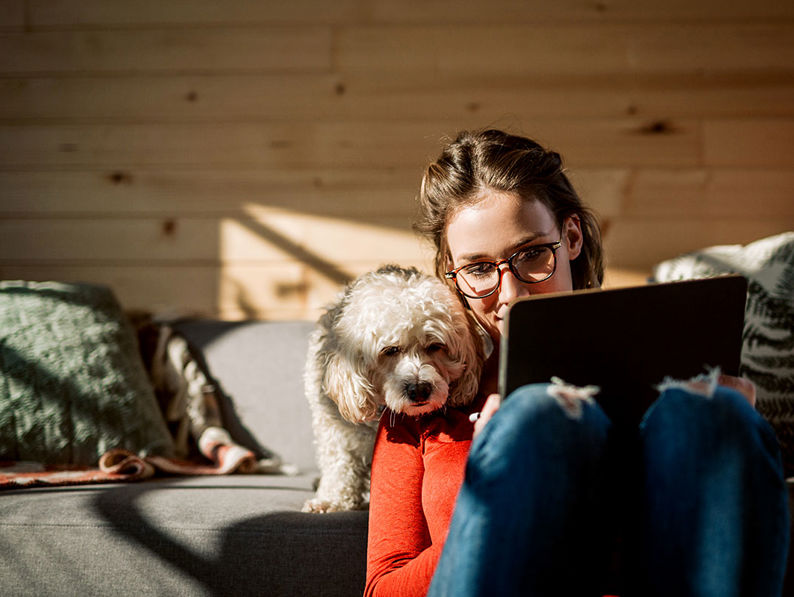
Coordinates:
395 338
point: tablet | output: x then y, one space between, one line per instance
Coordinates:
625 341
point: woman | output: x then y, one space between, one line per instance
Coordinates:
536 513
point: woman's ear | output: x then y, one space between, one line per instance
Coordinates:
572 233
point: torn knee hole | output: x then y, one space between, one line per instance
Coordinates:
704 384
571 397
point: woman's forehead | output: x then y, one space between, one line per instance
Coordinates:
495 224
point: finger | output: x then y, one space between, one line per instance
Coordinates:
492 403
489 408
745 386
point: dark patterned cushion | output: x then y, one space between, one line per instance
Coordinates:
768 339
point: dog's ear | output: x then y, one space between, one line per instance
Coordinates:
470 353
346 383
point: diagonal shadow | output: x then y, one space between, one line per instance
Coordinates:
52 394
322 266
275 553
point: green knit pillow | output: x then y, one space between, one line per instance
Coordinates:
72 384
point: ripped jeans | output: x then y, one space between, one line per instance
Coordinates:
553 503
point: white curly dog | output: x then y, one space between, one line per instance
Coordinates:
394 338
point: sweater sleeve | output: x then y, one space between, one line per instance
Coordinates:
400 557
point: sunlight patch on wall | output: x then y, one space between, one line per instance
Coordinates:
279 264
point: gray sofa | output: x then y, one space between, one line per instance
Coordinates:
225 535
231 535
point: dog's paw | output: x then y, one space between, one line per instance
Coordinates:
320 506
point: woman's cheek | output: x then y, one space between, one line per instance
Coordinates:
485 311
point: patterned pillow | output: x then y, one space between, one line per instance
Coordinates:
768 339
72 384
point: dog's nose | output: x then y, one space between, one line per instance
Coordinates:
418 391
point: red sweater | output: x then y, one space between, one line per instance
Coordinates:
417 470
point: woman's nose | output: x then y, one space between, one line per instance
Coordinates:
511 287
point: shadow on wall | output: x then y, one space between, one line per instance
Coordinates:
319 264
251 293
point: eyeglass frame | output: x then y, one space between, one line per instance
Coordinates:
453 274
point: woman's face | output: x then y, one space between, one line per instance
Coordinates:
497 226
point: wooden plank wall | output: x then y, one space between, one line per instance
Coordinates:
243 159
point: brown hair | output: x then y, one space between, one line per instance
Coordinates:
494 160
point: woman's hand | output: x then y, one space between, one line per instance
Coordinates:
745 386
491 405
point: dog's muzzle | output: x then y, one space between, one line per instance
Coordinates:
418 391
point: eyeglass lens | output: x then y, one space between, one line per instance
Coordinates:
531 265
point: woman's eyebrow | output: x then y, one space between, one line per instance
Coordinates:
524 241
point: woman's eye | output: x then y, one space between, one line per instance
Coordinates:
479 269
530 254
390 351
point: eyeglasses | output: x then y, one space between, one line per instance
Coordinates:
531 265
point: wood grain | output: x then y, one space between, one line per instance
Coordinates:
636 243
274 97
167 50
761 143
533 11
362 194
99 13
12 15
318 241
362 144
567 49
148 13
246 159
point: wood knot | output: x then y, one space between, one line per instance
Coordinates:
340 89
192 96
120 177
169 227
658 127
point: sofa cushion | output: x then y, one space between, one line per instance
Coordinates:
235 535
72 384
768 339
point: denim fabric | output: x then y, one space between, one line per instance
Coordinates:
691 503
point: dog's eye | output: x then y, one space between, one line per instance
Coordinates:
435 347
390 351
